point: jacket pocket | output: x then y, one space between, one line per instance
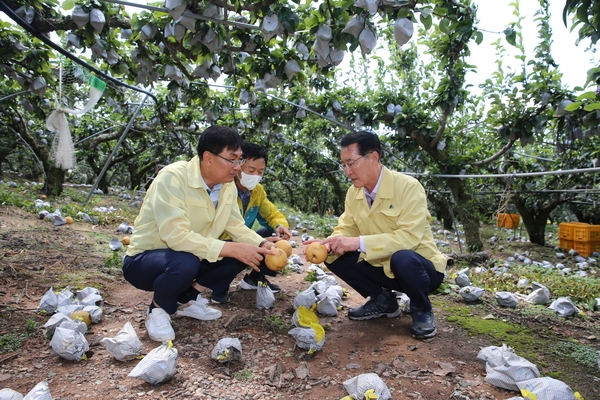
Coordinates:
390 212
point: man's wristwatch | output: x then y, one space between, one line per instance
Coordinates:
263 243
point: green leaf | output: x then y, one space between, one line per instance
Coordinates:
444 25
426 11
587 95
440 11
511 36
478 37
426 21
592 106
68 5
582 13
573 106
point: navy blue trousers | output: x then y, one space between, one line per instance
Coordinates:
414 275
168 273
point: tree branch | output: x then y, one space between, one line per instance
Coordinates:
495 156
441 128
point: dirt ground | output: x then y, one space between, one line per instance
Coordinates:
35 255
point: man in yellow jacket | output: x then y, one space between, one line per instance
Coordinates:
175 249
383 240
255 206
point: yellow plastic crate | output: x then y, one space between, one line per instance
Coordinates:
510 221
586 248
565 229
586 233
565 244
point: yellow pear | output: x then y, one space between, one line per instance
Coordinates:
285 246
277 261
82 316
316 253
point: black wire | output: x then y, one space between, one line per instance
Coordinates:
15 17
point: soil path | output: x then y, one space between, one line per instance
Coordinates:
35 255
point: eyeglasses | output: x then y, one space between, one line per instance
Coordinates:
351 163
234 163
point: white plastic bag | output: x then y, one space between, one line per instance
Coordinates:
564 307
65 297
471 293
506 299
306 338
264 296
39 392
55 321
49 301
158 366
505 368
69 344
326 307
69 309
306 298
358 385
9 394
86 291
546 388
328 302
92 300
74 325
462 280
125 345
538 296
227 349
403 30
95 312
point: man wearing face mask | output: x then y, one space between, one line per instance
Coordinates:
254 205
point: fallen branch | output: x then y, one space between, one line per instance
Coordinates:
16 308
8 357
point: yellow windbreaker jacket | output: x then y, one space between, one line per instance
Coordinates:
177 213
397 220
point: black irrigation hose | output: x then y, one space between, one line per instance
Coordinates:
12 15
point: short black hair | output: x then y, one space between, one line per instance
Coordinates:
253 151
366 142
215 138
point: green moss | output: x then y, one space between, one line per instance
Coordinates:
541 347
523 340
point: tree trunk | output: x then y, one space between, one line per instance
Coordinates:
339 195
465 210
533 219
468 218
535 214
7 145
102 184
441 211
55 180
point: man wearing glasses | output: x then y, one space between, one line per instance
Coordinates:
175 249
383 240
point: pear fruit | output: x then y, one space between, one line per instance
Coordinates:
316 253
277 261
285 246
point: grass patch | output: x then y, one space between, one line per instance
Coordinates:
581 354
243 374
275 324
579 289
10 342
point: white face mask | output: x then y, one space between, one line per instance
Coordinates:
249 181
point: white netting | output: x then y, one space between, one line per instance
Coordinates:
78 93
